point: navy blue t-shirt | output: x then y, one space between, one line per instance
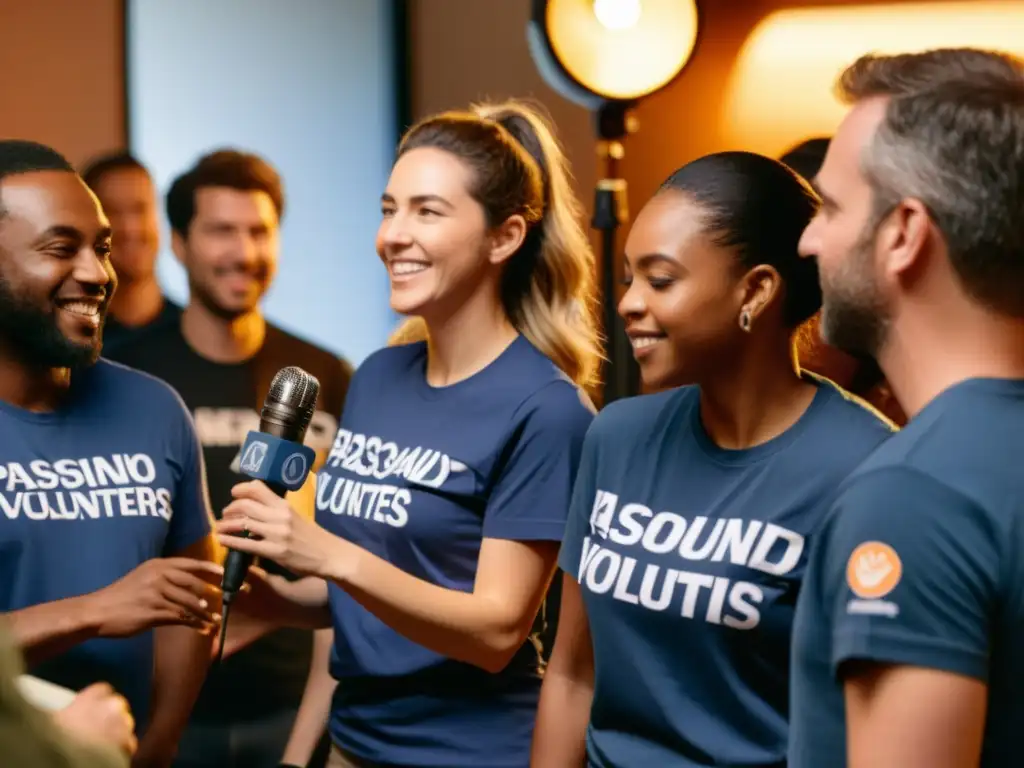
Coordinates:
690 558
87 494
420 476
920 563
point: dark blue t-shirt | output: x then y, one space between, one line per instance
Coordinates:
920 563
689 558
419 476
89 493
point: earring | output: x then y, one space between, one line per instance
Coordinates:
745 320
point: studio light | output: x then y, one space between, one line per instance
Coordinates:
606 55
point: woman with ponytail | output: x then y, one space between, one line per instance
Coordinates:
441 507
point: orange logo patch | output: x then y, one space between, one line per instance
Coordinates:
874 570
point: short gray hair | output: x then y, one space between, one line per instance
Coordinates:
953 138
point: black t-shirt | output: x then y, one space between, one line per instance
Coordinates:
270 675
116 334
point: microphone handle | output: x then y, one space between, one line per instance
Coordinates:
276 420
237 564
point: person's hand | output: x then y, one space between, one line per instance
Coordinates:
160 592
281 534
99 716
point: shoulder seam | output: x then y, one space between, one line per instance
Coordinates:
918 473
554 382
853 399
984 514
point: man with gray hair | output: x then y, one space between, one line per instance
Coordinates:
909 636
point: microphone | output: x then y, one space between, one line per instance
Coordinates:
275 454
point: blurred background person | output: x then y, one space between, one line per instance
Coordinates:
225 216
861 376
454 464
806 157
694 508
129 198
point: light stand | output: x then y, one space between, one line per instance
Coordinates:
621 375
604 55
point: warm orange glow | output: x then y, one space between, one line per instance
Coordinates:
626 62
781 87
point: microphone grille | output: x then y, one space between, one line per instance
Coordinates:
295 388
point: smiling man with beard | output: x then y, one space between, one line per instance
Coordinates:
225 215
104 525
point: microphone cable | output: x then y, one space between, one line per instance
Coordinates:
225 611
234 574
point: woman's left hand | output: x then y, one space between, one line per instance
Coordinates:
280 533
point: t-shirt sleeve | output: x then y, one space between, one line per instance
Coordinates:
911 574
190 504
577 527
530 499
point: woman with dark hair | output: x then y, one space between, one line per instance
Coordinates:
441 507
693 507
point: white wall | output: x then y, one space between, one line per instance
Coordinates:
309 85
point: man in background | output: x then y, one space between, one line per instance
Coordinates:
225 215
862 377
128 196
806 157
